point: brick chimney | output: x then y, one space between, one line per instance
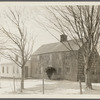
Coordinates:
63 38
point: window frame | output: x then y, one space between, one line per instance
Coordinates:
3 71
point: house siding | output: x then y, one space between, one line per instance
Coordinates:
65 64
95 69
68 65
10 70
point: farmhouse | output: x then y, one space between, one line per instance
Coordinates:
64 57
67 61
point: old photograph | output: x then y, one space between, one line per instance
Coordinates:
49 49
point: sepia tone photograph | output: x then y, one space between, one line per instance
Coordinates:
49 49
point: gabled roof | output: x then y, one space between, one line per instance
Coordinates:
57 47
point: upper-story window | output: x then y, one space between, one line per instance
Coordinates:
36 71
98 73
50 60
59 56
50 56
38 57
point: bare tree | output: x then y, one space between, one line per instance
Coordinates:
20 47
80 23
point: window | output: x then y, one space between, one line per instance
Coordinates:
7 69
39 71
50 60
59 70
59 56
93 72
17 70
98 73
16 57
38 57
50 57
67 70
13 69
36 71
2 69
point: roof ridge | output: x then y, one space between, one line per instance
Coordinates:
56 47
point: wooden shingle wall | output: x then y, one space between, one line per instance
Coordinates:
65 64
95 70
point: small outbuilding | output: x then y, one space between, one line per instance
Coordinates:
9 69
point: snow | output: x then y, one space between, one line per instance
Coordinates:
51 87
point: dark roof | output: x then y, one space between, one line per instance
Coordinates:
57 47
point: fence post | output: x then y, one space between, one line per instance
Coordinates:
14 83
42 71
80 86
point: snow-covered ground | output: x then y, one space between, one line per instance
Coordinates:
51 87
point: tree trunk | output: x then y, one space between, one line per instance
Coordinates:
88 78
22 79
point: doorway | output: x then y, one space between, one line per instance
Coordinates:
50 71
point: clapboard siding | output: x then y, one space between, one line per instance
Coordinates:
69 65
95 69
65 64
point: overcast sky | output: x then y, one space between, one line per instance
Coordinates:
36 10
30 14
33 11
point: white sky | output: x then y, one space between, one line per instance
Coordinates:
31 13
35 10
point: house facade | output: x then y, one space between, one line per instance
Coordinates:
9 70
95 70
61 61
68 62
